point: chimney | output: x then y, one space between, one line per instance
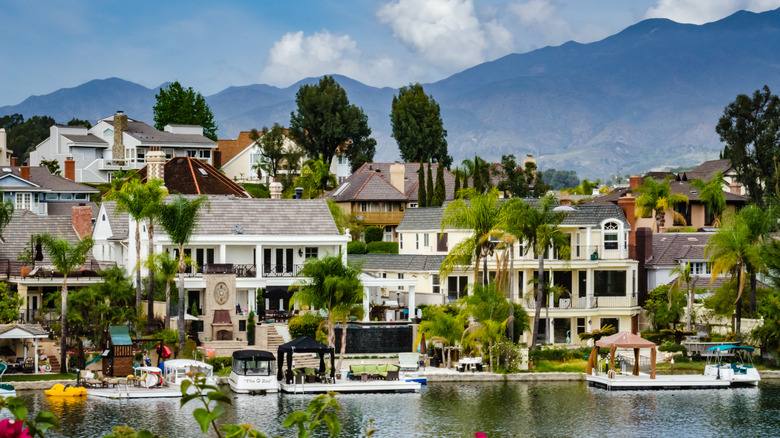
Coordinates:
155 164
120 126
70 169
81 217
566 200
635 182
644 252
24 171
735 188
14 161
276 190
216 158
627 204
397 176
3 148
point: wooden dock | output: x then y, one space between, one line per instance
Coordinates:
661 382
122 392
352 386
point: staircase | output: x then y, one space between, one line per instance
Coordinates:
55 363
276 337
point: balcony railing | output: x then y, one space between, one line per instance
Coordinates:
379 217
588 303
601 252
285 270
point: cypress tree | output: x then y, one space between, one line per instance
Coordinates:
465 182
421 194
439 194
429 185
478 176
457 184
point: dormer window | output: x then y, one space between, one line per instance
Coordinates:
610 232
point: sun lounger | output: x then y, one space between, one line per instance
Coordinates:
409 361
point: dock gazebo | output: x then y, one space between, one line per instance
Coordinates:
303 344
623 340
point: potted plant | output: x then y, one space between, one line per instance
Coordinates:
29 255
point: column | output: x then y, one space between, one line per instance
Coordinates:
589 289
259 260
412 308
35 343
588 250
222 253
366 298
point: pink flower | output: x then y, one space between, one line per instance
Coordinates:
13 429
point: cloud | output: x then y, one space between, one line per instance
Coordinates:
705 11
541 17
446 33
297 56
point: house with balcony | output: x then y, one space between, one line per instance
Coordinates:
379 193
118 142
36 190
242 247
599 278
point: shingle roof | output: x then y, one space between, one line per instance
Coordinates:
119 221
88 138
370 171
367 186
397 262
45 180
421 219
266 216
191 176
24 223
706 169
594 215
66 208
670 248
33 329
230 148
149 135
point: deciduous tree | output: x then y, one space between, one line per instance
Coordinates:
417 126
175 105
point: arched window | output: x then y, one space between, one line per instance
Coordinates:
611 232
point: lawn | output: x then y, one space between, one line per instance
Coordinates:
37 377
550 366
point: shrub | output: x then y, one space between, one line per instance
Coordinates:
220 362
257 190
671 347
556 354
304 325
373 234
250 328
356 247
382 248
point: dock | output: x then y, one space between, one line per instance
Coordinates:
661 382
133 392
349 386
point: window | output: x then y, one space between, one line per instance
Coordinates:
66 196
583 284
311 252
204 154
580 325
456 287
611 235
425 240
108 133
441 242
400 277
609 283
435 286
140 155
51 196
614 322
192 153
700 268
416 241
400 241
23 200
80 196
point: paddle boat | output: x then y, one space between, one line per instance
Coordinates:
253 371
739 372
176 370
148 377
60 390
6 390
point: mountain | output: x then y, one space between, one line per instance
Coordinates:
647 97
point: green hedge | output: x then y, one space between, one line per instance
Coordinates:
373 234
382 248
304 325
356 247
671 347
257 190
219 362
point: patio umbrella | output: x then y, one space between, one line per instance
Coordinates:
423 346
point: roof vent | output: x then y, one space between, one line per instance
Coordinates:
6 169
238 229
202 171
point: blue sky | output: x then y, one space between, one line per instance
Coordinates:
46 45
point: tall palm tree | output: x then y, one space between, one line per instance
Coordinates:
153 192
481 215
657 196
759 224
712 195
131 199
492 314
683 278
729 250
539 227
445 328
66 257
168 267
178 218
328 284
315 177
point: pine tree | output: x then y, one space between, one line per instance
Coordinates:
457 184
439 193
429 185
421 193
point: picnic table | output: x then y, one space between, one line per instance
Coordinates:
467 363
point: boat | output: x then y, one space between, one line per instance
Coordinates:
60 390
739 372
176 371
6 390
148 377
253 372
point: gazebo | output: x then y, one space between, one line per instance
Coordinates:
24 332
303 344
622 340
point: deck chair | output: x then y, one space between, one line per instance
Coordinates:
29 365
88 379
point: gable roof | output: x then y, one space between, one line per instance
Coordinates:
191 176
118 221
377 191
22 331
90 139
43 180
670 248
397 262
25 223
231 148
706 169
421 219
149 135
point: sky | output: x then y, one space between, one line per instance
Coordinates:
46 45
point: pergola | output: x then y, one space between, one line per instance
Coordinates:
623 340
24 331
303 344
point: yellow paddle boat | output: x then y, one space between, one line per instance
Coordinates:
60 390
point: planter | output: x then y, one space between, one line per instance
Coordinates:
24 270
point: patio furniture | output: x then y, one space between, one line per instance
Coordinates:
409 361
29 365
88 379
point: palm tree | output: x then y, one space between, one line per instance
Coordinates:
759 224
6 212
481 215
153 192
167 267
682 274
442 327
66 257
491 312
130 199
595 335
730 250
315 178
328 284
539 227
178 218
712 195
657 196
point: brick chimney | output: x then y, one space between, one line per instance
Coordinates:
635 182
70 169
24 171
644 252
3 148
216 158
81 217
627 204
14 161
566 200
397 176
155 164
735 188
120 126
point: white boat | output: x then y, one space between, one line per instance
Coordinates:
148 377
176 370
6 390
739 372
253 371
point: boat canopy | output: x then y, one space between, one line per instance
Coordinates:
730 347
253 355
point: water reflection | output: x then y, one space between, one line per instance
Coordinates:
458 410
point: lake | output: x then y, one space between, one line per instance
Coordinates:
458 410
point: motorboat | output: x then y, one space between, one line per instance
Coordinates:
177 371
253 372
148 377
739 371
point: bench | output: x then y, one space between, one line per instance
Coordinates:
409 361
373 372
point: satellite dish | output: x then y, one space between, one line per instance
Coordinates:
238 229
